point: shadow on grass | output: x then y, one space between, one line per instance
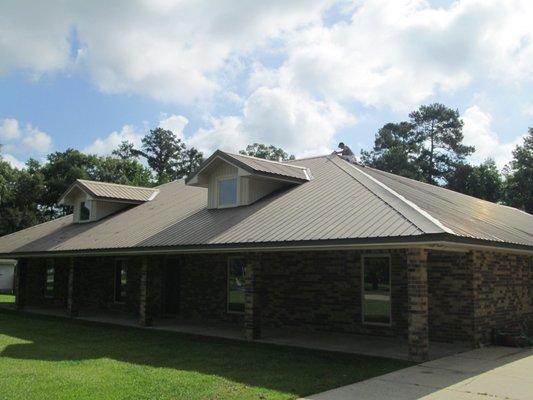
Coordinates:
289 370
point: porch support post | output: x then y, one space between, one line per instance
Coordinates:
20 284
73 302
252 309
417 289
145 308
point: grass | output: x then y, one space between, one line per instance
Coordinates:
7 298
54 358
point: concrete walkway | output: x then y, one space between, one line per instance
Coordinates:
491 373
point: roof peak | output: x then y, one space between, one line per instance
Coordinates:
114 184
264 159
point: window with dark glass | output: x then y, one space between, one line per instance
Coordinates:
227 192
85 212
376 290
121 281
49 281
236 270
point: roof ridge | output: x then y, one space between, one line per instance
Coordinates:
400 199
308 158
265 160
115 184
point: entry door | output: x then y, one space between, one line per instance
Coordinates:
172 286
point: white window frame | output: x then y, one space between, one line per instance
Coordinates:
228 282
226 178
377 255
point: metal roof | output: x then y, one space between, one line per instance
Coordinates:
258 166
112 191
342 202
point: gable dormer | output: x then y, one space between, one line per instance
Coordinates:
92 201
236 180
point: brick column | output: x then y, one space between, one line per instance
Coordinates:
145 300
252 309
417 290
20 284
73 301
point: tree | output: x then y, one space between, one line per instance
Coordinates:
428 147
121 171
439 131
62 169
395 150
519 177
483 181
125 151
191 160
269 152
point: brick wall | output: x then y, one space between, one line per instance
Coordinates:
451 302
503 285
470 294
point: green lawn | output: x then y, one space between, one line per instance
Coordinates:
53 358
7 298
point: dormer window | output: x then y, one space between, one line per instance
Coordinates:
236 180
85 212
227 192
92 201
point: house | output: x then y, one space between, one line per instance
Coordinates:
7 272
317 244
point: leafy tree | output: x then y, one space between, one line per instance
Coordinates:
125 151
122 171
519 177
191 160
162 150
62 169
395 150
439 131
269 152
427 147
483 181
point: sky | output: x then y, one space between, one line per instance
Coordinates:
301 74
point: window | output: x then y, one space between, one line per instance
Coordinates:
376 290
85 212
121 281
236 285
227 192
49 281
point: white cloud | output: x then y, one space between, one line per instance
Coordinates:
527 110
130 133
106 145
37 140
478 132
28 140
15 163
174 123
400 53
10 130
169 50
276 116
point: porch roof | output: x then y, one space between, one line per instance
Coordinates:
343 203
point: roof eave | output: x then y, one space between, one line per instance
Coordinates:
440 241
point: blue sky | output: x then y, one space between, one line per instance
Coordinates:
302 75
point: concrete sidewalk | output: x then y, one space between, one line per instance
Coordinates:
488 373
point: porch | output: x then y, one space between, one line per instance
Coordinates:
304 299
378 346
